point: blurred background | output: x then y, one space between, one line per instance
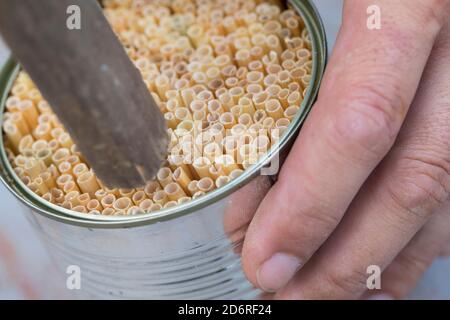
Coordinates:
27 272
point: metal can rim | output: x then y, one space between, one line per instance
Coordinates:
9 71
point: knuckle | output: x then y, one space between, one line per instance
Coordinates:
315 214
319 219
427 18
435 12
346 282
412 264
369 119
421 184
406 269
299 220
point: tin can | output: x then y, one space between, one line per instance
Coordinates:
191 251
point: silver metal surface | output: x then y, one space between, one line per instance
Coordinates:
191 257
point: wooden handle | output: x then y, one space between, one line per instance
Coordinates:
91 84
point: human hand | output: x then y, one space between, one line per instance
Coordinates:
368 179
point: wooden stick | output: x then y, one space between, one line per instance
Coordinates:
92 86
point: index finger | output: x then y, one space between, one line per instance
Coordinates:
368 87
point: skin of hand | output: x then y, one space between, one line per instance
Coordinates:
367 182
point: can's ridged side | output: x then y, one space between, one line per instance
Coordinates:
189 258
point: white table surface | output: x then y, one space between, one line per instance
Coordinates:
26 270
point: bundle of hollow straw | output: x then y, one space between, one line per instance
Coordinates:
228 75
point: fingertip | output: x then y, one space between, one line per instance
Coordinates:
276 272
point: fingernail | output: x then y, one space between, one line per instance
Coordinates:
276 272
380 296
